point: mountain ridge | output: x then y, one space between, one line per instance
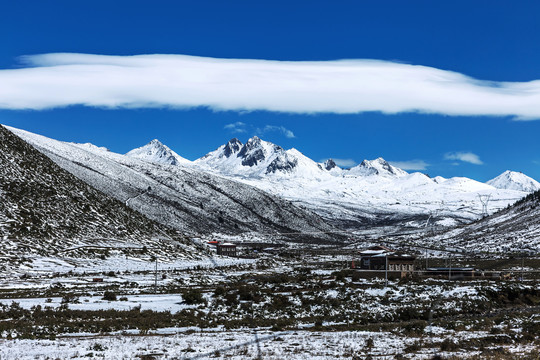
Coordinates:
180 196
255 151
373 193
46 210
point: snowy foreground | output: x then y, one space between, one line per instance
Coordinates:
245 344
247 311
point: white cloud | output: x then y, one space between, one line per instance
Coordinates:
237 127
344 163
410 164
464 156
178 81
288 133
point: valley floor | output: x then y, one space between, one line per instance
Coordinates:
272 307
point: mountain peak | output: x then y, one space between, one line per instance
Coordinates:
513 180
155 151
329 164
232 147
379 166
252 152
257 158
156 142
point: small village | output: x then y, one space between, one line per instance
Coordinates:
379 261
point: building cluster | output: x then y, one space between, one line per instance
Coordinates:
224 248
398 264
382 258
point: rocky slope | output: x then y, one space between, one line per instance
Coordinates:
45 210
514 229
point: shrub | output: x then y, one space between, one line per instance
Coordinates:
448 345
193 296
109 296
220 291
70 298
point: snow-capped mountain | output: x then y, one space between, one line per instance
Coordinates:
379 167
329 165
157 153
179 196
257 159
513 180
373 192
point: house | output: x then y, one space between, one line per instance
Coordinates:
226 249
378 257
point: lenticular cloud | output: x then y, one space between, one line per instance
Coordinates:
179 81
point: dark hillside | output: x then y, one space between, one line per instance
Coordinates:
43 208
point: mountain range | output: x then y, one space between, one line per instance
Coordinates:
371 193
260 187
182 197
59 195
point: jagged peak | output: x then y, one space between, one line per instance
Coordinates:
234 141
155 142
378 160
232 147
329 164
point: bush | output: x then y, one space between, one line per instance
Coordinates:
449 345
280 302
249 293
220 291
70 298
193 296
109 296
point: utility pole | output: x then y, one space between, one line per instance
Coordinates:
484 200
386 270
155 278
449 268
522 264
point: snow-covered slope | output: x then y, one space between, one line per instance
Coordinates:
371 193
513 229
513 180
181 197
45 210
158 153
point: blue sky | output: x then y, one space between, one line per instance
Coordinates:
485 40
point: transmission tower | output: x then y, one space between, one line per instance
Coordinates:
484 199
